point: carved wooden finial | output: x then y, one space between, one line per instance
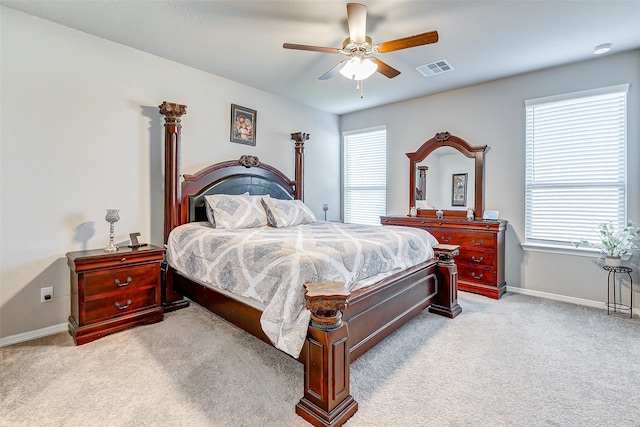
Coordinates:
172 111
446 253
442 136
300 136
326 301
249 161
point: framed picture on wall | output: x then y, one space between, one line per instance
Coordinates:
459 189
243 125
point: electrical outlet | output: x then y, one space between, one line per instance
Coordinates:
46 294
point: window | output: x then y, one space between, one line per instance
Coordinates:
575 166
365 176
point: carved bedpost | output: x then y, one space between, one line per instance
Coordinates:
172 133
299 138
447 273
172 127
327 400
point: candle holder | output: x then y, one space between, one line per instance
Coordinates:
113 216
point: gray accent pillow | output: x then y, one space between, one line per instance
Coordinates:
235 211
287 213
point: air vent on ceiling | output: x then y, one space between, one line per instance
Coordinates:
434 68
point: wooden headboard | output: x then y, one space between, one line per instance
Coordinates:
245 175
184 200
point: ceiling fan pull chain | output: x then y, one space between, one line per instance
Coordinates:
360 87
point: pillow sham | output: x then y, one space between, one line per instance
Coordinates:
287 213
235 211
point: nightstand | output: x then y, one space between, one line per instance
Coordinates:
113 291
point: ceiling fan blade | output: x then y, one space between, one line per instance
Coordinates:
333 71
385 69
311 48
407 42
357 19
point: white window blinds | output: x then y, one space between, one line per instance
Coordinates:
575 165
365 176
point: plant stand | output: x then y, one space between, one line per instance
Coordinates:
611 284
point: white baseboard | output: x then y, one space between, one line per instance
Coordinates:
31 335
563 298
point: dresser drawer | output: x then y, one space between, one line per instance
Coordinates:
465 239
118 279
476 257
119 304
475 274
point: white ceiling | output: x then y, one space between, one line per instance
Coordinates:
242 40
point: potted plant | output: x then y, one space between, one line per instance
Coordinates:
614 244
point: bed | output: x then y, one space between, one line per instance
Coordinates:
342 324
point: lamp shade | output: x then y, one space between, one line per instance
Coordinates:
358 68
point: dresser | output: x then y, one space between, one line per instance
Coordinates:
481 260
113 291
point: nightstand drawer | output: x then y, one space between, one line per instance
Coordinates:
120 279
120 304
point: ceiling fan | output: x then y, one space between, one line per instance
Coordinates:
361 62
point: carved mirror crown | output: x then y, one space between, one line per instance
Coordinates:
419 173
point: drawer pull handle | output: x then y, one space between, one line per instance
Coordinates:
478 243
124 307
123 259
473 274
445 239
477 260
120 284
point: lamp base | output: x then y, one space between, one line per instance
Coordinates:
111 248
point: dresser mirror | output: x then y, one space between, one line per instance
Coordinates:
447 174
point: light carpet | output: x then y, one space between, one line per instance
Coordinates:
519 361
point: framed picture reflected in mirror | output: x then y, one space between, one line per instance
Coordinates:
459 189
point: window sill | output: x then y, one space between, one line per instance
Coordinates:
564 250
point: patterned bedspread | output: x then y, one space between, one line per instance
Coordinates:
269 265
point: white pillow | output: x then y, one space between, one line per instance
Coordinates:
287 213
235 211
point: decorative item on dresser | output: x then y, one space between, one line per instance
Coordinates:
481 260
113 291
344 324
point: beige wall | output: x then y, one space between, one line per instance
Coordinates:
494 114
81 133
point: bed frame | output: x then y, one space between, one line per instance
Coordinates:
343 325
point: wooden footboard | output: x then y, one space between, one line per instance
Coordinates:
344 326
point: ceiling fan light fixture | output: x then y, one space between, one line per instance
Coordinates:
359 68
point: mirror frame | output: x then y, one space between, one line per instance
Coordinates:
445 139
